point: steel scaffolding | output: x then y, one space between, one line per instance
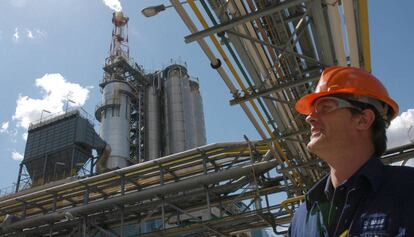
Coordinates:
197 191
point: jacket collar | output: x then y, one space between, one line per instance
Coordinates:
371 174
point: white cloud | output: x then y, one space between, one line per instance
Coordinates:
29 34
17 156
55 92
24 136
113 4
39 33
399 132
4 127
16 35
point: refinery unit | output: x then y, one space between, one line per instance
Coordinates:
150 171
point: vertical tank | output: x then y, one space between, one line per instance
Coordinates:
177 110
115 118
114 112
199 130
152 118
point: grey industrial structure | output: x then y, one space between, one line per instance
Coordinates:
150 173
146 116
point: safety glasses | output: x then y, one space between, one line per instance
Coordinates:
329 104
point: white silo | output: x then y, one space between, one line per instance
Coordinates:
199 130
177 110
153 122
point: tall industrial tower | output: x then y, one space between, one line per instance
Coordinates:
146 116
120 92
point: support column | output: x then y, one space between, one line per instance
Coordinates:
85 226
54 201
163 213
122 180
206 188
19 177
72 162
92 165
122 221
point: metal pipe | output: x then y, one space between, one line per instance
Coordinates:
19 177
271 90
336 32
364 28
348 7
138 196
132 168
320 33
232 70
276 48
253 54
100 164
238 21
214 61
90 182
280 154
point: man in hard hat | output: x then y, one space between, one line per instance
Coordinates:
348 114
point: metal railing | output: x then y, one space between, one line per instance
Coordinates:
60 115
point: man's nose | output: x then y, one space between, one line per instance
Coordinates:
311 118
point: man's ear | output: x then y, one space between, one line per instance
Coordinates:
365 119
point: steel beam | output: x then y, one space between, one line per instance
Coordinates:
276 48
274 89
279 100
240 20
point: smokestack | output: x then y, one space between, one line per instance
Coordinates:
119 19
114 112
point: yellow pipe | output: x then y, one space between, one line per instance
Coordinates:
232 69
235 74
76 192
79 187
363 20
269 49
288 201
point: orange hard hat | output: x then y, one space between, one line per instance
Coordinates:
349 81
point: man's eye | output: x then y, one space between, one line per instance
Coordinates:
325 108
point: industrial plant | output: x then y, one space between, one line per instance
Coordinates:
149 170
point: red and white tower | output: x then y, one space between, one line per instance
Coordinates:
114 112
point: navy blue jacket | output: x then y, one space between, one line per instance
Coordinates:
378 200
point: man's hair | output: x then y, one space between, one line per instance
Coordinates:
378 133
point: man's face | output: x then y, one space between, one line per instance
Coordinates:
332 126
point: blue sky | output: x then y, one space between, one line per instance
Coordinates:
51 49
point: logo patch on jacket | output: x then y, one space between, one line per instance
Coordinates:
376 222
